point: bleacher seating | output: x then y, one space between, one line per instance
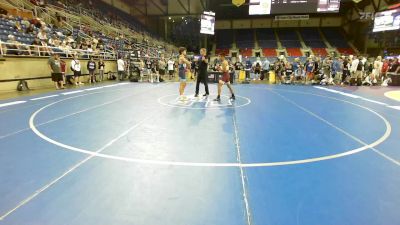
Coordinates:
222 51
346 51
245 38
289 38
335 37
224 39
320 51
294 52
312 38
269 52
7 28
266 38
246 52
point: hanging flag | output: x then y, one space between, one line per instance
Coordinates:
238 2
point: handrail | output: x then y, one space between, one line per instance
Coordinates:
45 51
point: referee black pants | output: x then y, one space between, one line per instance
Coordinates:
205 82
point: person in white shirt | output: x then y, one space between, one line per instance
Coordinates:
121 68
76 68
265 68
171 64
357 68
377 69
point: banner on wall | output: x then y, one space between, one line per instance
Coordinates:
292 17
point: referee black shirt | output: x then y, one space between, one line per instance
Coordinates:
203 67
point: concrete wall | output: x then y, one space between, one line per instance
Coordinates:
23 67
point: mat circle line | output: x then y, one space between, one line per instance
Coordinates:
248 101
216 164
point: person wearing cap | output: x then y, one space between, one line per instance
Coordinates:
54 65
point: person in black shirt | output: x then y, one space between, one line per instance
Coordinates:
238 66
91 67
202 74
394 67
346 70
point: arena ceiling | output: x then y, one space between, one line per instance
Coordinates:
224 8
167 7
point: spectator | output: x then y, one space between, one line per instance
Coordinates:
346 70
102 66
257 69
91 67
265 69
66 48
309 68
30 29
287 77
42 35
54 64
36 46
394 67
25 22
357 68
10 47
16 48
374 71
18 27
148 65
121 68
76 69
161 66
385 67
55 41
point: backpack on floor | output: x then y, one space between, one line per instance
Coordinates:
22 85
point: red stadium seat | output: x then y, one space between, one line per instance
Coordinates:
294 52
269 52
246 52
320 51
346 51
222 51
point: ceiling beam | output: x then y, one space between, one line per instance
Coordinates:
184 8
164 12
176 15
139 10
202 4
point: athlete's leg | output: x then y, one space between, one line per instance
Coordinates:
220 83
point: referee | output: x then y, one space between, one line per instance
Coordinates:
202 75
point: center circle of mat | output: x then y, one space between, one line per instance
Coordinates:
222 164
204 103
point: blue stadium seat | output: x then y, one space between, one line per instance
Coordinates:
266 38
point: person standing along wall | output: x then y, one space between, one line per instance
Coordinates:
171 69
121 68
91 67
265 69
161 66
76 68
102 66
54 64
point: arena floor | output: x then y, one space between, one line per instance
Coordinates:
130 153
